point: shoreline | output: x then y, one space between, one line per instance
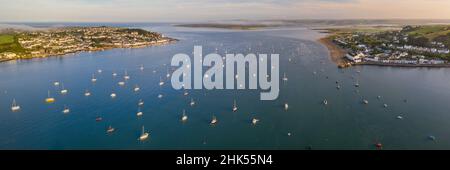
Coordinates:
171 41
336 53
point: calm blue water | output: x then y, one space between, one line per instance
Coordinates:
345 123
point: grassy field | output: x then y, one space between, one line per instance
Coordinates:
10 43
6 39
431 31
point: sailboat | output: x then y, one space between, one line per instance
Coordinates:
255 121
285 77
87 93
121 83
113 95
357 84
185 93
167 74
136 88
161 82
114 74
110 129
144 135
126 76
192 102
160 96
286 106
93 79
99 70
66 110
63 90
141 68
49 99
365 101
235 108
14 106
56 83
184 118
139 113
325 102
141 102
214 120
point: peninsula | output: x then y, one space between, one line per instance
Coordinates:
19 44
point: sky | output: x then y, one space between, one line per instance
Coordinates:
214 10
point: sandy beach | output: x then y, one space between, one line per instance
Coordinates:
336 53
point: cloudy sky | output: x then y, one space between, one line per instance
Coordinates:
204 10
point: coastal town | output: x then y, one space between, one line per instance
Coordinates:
426 46
17 44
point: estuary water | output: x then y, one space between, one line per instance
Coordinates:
419 95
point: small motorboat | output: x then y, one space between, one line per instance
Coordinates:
235 108
110 129
113 95
98 119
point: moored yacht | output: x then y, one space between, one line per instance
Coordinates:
49 99
214 120
87 93
63 90
136 88
144 135
161 82
139 113
93 79
235 108
192 102
141 102
255 121
66 110
15 107
110 129
184 117
126 76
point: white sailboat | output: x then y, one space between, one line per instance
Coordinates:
56 83
63 90
235 108
136 88
192 102
160 96
285 77
99 70
167 74
141 102
144 135
325 102
126 76
161 82
121 83
87 93
66 110
113 95
139 113
255 121
184 118
286 106
141 68
365 101
114 74
93 79
185 93
214 120
15 107
49 99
